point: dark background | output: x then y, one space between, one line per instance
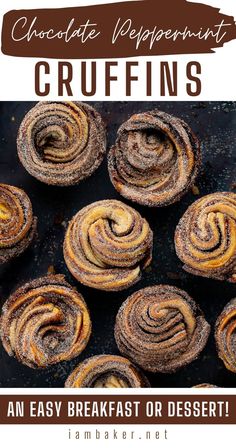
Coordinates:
215 125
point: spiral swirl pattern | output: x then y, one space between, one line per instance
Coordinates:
61 143
161 329
106 371
17 224
225 335
44 322
155 159
205 238
106 245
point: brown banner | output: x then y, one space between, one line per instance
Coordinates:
134 28
117 409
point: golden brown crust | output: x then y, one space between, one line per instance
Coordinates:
17 223
155 159
225 331
107 244
205 238
161 329
205 386
44 322
61 143
107 371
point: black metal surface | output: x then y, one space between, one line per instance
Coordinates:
215 125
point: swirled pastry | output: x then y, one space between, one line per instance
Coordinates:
107 244
44 322
17 223
155 159
205 386
106 371
205 238
225 335
161 329
61 143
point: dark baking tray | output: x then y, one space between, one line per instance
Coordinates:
215 125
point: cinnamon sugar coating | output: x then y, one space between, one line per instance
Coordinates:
155 159
17 223
61 143
161 329
225 336
44 322
205 238
107 244
107 371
